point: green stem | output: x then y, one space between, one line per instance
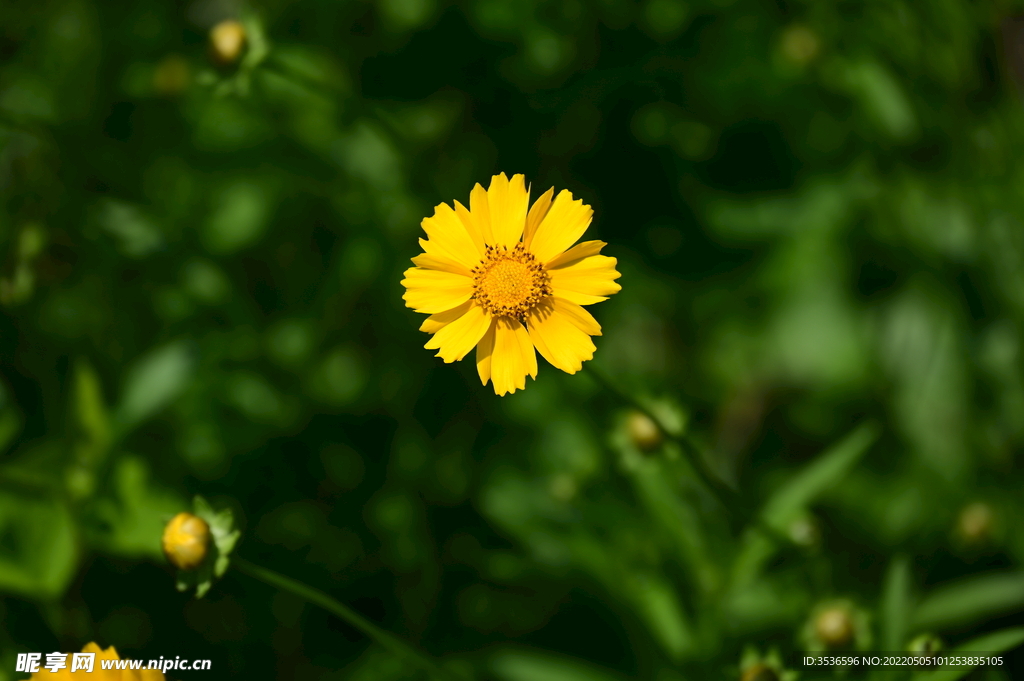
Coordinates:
282 68
727 495
719 487
339 609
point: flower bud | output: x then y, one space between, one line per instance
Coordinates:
834 626
804 531
643 432
975 523
562 487
800 45
925 644
171 76
186 541
226 41
759 672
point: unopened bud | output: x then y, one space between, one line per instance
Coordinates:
804 531
226 41
563 487
186 541
171 75
759 672
643 432
925 644
834 627
800 45
975 523
32 241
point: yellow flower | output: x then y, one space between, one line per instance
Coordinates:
186 540
227 40
97 673
506 280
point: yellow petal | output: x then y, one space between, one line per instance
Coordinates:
580 318
484 352
536 215
448 237
555 328
582 250
508 201
433 291
434 249
512 357
481 212
432 261
470 223
436 322
456 339
565 222
110 675
586 281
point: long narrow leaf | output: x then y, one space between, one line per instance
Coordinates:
996 642
824 472
971 601
523 665
896 604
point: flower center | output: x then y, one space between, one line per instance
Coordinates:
510 283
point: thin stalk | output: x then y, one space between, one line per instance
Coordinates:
339 609
719 487
727 495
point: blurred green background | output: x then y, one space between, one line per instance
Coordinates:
817 210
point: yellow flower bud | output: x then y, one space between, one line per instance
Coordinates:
644 432
759 672
186 540
226 41
834 627
800 45
975 523
96 666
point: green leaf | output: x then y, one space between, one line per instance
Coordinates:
10 424
242 214
658 604
137 234
763 603
380 664
154 381
90 408
521 665
971 601
826 471
880 95
218 557
996 642
256 38
790 501
135 522
677 518
92 431
339 378
201 579
38 555
10 418
895 604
